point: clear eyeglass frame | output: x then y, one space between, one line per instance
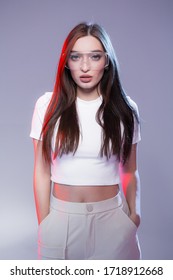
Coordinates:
95 60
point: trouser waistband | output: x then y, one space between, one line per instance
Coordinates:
86 207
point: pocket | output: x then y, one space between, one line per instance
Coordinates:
52 235
44 220
127 219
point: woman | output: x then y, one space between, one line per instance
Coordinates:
85 139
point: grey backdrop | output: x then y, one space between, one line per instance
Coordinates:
31 37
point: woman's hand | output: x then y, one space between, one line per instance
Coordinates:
42 182
43 217
131 185
135 219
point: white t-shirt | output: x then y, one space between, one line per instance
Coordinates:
86 167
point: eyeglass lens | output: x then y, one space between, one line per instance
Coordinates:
94 60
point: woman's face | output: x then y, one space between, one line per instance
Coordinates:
87 62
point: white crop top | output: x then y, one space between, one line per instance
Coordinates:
85 167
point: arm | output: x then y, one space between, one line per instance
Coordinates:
42 182
131 185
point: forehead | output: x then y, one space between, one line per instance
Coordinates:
87 44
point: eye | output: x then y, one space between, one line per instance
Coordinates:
96 56
74 57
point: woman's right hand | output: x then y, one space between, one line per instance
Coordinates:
42 182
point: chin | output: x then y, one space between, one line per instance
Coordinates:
87 88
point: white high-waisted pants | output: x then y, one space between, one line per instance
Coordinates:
93 231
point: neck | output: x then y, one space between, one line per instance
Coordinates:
88 94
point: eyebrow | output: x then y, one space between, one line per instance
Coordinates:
88 51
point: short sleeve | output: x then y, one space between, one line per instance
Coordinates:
38 115
137 130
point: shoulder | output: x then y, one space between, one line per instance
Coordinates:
43 101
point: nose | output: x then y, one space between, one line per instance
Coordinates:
85 66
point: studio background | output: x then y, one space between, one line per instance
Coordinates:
32 33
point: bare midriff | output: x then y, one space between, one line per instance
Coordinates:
84 193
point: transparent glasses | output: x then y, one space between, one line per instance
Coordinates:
95 60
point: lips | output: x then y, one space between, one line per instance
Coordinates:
85 78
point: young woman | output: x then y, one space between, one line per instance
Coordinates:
85 138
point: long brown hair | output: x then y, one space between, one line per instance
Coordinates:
115 108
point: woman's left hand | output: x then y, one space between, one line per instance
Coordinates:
135 219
